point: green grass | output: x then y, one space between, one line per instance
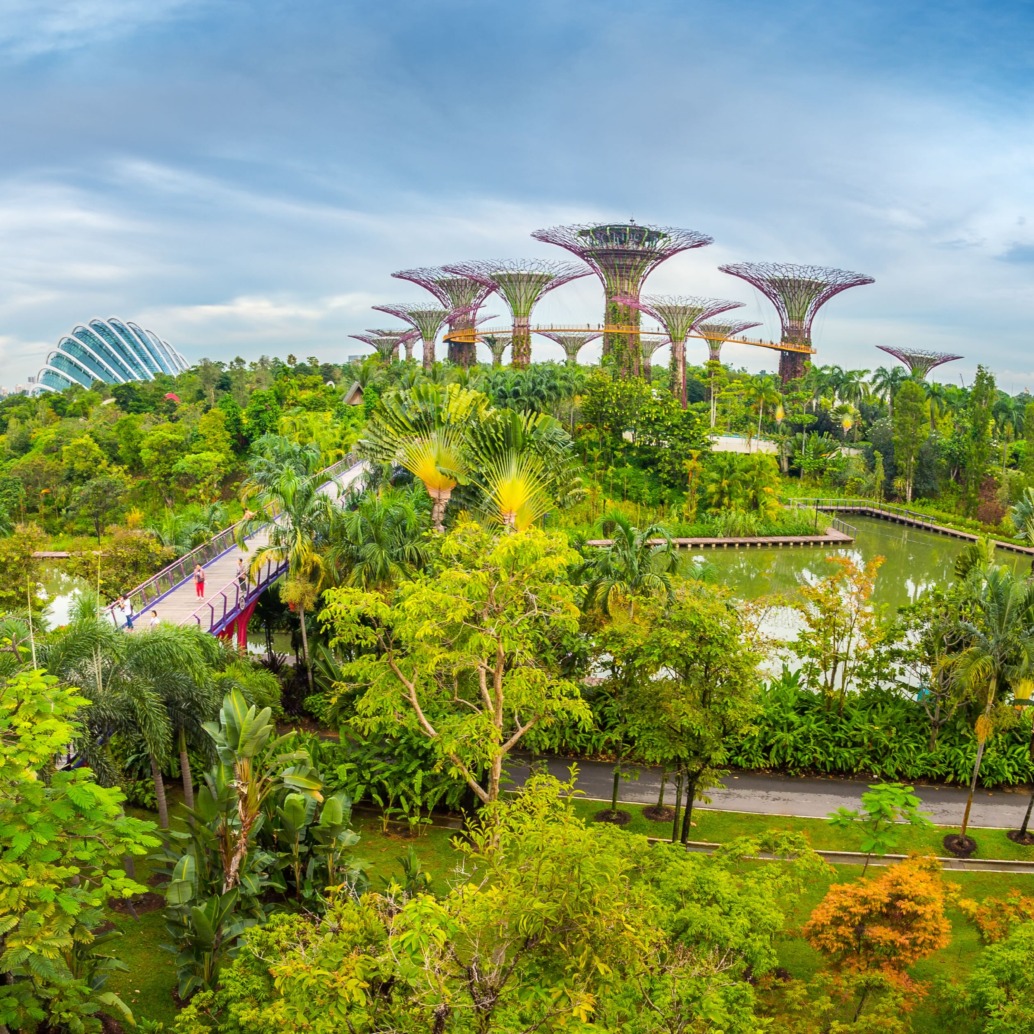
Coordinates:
720 826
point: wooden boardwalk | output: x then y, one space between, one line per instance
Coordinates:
181 605
832 538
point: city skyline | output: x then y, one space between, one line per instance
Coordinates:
244 178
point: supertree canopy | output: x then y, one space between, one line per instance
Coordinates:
424 319
386 342
520 284
571 342
797 292
716 334
463 295
918 360
622 255
678 316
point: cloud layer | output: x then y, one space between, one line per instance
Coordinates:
243 178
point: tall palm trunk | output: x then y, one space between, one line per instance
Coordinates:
981 743
188 781
305 648
159 793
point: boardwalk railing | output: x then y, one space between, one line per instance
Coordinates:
144 596
216 613
902 514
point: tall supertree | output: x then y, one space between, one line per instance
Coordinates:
386 342
571 342
463 295
716 334
520 284
678 316
622 255
797 292
918 360
426 321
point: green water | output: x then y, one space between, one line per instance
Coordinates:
913 561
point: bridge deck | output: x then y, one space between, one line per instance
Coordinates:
223 600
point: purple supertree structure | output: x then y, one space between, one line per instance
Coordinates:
572 342
622 255
498 341
424 319
797 292
386 342
520 284
716 334
678 316
918 360
463 296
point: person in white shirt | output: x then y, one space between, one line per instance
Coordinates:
154 622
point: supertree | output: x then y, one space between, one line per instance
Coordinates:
678 316
520 284
571 342
716 334
498 341
622 255
386 342
425 320
918 360
797 292
463 295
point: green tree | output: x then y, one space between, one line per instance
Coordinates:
997 653
998 994
98 500
979 425
886 807
911 423
62 838
470 654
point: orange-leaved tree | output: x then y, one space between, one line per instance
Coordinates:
885 923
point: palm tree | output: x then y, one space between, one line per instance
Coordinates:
380 540
154 684
423 429
295 537
885 383
636 562
760 391
999 652
1022 515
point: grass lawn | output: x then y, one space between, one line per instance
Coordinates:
719 826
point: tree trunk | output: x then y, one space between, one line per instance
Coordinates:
1026 816
188 781
305 648
159 793
614 791
973 785
678 803
660 796
687 815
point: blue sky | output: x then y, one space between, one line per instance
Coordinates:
242 176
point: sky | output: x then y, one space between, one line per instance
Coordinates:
243 176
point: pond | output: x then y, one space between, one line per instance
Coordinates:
914 560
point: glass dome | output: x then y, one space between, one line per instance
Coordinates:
108 350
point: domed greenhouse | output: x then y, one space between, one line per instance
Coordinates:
108 350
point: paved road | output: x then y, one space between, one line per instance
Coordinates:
782 795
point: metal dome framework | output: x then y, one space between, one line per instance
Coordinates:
112 351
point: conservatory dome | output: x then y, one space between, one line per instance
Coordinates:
108 350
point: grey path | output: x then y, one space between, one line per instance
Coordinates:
762 794
179 606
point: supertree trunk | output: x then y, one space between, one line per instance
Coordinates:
792 365
520 343
428 353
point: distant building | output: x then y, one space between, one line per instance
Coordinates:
110 351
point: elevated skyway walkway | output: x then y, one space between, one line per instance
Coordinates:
227 605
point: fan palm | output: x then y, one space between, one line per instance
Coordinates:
999 652
637 561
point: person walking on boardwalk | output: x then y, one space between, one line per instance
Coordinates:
242 576
125 605
154 622
199 581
